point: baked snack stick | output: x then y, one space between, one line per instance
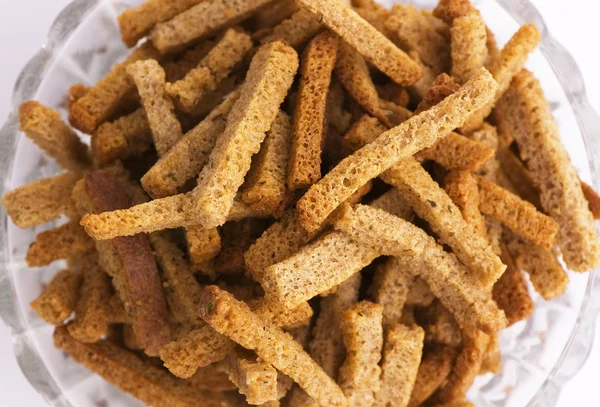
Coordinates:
441 326
92 309
520 180
414 31
234 319
58 243
203 346
430 202
418 132
128 260
518 215
41 201
188 156
593 199
136 23
390 287
353 72
402 352
461 187
378 50
469 46
433 371
236 239
203 245
448 10
76 92
362 333
264 189
150 384
466 367
200 21
509 63
492 358
296 30
448 279
528 113
419 294
212 377
442 86
193 89
149 77
268 80
310 125
546 273
127 136
274 14
46 129
254 378
59 298
106 97
152 216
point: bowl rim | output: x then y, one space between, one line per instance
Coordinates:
579 344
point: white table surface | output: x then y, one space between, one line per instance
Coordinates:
24 23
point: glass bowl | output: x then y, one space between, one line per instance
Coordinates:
539 355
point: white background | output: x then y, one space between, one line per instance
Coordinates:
24 23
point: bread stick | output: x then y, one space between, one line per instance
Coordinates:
41 201
58 243
45 128
234 319
492 358
441 326
59 298
419 89
318 61
203 245
255 379
417 133
212 377
189 155
236 239
107 96
271 74
137 22
390 288
394 203
401 360
362 333
274 14
469 46
593 199
197 84
560 191
375 14
433 371
297 30
462 188
448 10
265 188
76 92
442 87
200 21
419 294
149 78
456 152
378 50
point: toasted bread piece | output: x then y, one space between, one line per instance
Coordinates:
310 126
264 189
592 198
373 13
254 378
200 21
212 377
433 371
518 215
492 358
41 201
461 187
106 97
519 177
58 243
297 30
442 87
419 294
236 238
390 288
149 78
440 326
528 113
448 10
59 298
189 155
76 92
46 129
419 132
401 360
456 152
378 50
271 74
394 202
274 14
203 245
414 31
234 319
469 46
362 332
150 384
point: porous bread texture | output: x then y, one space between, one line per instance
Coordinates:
190 154
267 82
136 23
535 130
200 21
149 78
45 128
456 152
433 371
469 46
41 201
106 97
310 125
296 30
461 187
234 319
254 378
390 287
362 332
365 38
203 245
58 243
58 300
401 359
419 132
